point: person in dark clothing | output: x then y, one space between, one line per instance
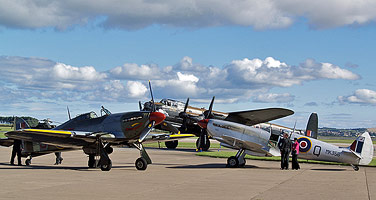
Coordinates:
295 153
16 151
285 148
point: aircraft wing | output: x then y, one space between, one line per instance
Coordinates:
154 137
58 137
253 117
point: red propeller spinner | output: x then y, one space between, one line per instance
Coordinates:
157 117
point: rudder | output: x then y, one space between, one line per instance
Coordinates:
312 126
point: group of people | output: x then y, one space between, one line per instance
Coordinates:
286 146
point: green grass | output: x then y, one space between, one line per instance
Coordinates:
4 129
344 141
226 154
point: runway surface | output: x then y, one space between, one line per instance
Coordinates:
179 174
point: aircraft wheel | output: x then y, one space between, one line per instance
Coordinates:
232 162
27 162
91 162
141 163
107 167
203 147
109 150
172 144
356 168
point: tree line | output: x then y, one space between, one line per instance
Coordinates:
30 120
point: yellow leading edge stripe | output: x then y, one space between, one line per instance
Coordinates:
49 131
182 135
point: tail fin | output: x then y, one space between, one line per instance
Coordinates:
312 126
364 147
20 123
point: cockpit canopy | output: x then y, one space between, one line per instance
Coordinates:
85 116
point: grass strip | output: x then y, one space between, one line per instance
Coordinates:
226 154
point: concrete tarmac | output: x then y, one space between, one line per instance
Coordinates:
179 174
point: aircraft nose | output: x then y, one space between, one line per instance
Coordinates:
157 117
203 123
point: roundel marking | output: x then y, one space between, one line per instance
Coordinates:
305 144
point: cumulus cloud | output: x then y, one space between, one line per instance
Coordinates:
274 98
256 72
259 14
240 80
360 96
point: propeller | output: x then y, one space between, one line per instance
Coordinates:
155 118
203 139
152 97
184 116
208 113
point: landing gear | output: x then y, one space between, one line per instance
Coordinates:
355 167
203 143
141 163
237 161
107 166
232 162
172 144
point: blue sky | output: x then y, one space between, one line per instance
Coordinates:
306 56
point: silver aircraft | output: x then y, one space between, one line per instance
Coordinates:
256 141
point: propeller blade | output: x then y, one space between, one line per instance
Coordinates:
140 105
146 131
208 113
186 105
152 97
69 113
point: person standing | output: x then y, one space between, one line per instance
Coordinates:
285 148
16 151
295 153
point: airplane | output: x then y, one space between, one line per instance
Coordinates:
186 117
96 135
34 149
238 134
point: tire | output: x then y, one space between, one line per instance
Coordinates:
141 164
107 167
203 147
109 150
232 162
172 144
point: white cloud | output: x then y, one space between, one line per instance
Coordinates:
274 98
187 77
134 71
259 14
136 89
241 80
360 96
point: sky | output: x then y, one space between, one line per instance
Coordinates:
307 56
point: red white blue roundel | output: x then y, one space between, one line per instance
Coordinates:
305 144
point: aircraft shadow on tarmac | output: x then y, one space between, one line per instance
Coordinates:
23 167
333 170
207 166
177 149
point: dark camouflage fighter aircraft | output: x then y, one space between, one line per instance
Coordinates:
96 135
